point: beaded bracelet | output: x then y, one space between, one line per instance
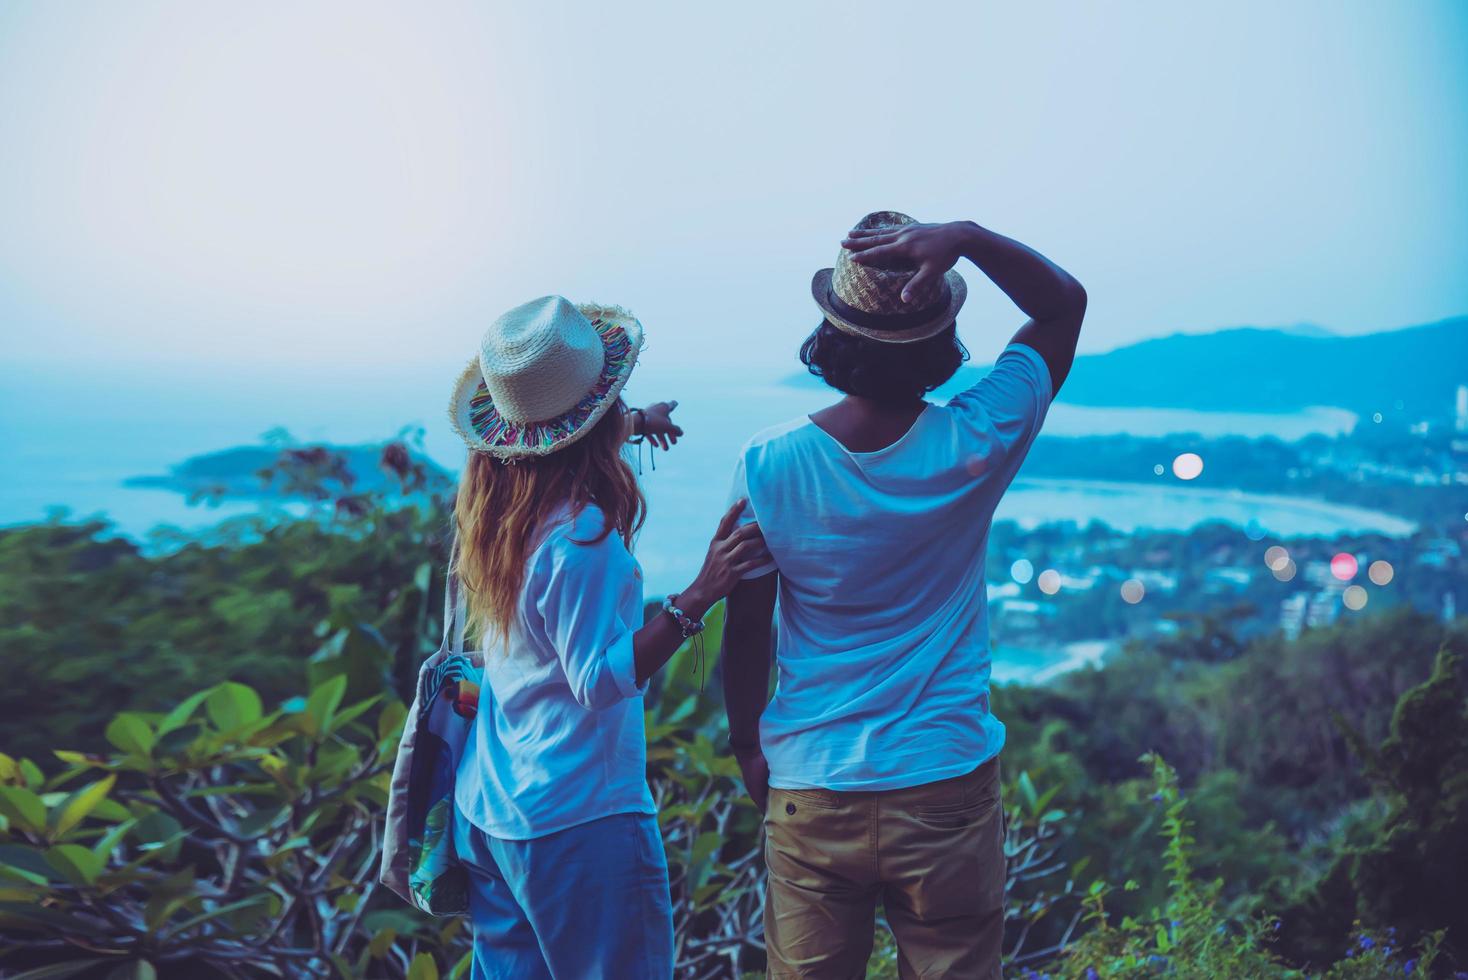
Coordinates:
691 631
686 623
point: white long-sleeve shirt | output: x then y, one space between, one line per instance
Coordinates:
558 740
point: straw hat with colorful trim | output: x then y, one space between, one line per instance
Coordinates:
547 371
867 301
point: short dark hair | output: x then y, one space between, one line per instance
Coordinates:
882 371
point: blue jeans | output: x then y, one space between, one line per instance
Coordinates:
591 901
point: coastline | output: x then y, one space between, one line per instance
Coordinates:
1008 663
1079 654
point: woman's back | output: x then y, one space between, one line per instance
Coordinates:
559 740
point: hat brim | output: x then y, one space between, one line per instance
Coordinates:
908 333
473 415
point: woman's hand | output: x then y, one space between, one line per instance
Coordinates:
658 425
732 553
931 249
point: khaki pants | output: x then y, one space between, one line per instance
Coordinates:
933 854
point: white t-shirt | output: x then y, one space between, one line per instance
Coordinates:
558 740
883 630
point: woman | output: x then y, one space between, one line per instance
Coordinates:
554 819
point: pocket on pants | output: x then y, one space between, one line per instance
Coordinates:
820 799
956 816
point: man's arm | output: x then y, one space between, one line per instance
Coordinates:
748 619
1051 297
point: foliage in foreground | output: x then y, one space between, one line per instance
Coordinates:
1190 936
219 839
222 839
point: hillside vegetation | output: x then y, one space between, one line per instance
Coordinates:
195 748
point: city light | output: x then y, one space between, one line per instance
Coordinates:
1132 591
1187 466
1022 571
1343 566
1276 557
1286 571
1380 572
1049 581
1354 597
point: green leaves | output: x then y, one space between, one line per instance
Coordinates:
77 864
382 942
181 715
322 703
223 911
390 722
23 809
130 733
135 970
232 705
19 863
357 652
423 967
81 803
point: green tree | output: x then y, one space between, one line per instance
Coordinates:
1409 876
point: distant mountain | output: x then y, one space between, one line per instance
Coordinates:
1415 370
1258 370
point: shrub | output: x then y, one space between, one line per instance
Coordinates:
1190 937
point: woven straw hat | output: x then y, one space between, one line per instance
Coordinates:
867 301
547 371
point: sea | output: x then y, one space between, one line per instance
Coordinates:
71 442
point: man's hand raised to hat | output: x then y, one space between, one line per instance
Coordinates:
1051 297
931 249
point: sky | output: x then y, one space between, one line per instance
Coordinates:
354 187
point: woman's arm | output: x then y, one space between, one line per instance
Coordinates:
1051 297
655 423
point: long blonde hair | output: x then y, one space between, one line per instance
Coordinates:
500 507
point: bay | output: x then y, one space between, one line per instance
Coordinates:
72 444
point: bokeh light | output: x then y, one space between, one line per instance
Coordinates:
1276 557
1132 591
1159 469
1343 566
1381 572
1022 571
1187 466
1285 572
1354 597
1376 417
1049 581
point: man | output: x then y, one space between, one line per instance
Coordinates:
876 762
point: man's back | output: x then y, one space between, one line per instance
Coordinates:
882 644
